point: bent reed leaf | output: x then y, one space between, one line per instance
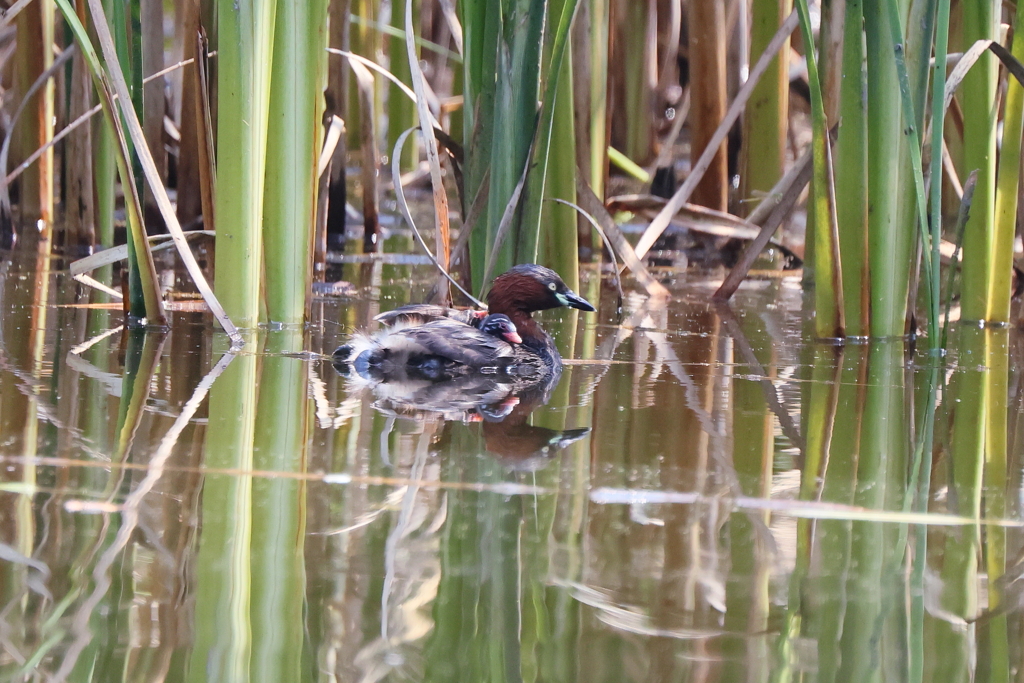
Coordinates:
152 175
403 206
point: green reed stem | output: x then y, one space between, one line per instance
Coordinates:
851 174
1008 180
938 126
828 288
889 242
401 110
554 155
766 119
514 122
244 61
222 643
980 105
279 520
600 17
913 140
293 140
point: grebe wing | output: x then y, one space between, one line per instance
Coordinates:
419 314
459 342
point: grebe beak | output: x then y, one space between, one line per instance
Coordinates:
513 337
573 300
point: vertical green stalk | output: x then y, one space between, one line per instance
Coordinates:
133 76
362 41
851 174
104 177
293 143
980 104
995 482
828 288
122 41
401 110
889 242
514 123
600 11
911 164
953 644
246 32
558 242
938 126
766 119
639 123
880 475
1008 182
222 649
481 23
554 173
279 512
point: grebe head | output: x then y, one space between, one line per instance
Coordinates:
529 287
501 326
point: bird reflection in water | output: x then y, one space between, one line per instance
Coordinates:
494 366
500 403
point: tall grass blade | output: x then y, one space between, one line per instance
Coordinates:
79 215
401 111
937 148
554 171
828 289
507 122
600 11
207 156
851 157
889 240
766 121
954 263
293 140
1008 179
912 134
244 63
980 105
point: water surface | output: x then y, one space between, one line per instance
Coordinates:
708 495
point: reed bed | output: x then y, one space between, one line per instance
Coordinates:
654 84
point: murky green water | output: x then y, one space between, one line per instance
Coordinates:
746 506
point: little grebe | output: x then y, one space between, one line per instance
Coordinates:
517 293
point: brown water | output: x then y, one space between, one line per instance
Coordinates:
706 496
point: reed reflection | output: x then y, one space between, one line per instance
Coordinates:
743 507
